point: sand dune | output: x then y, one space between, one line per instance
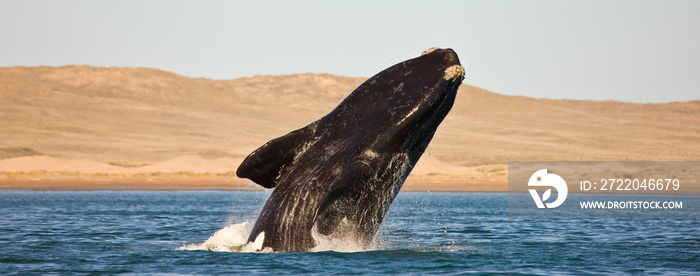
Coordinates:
136 120
196 172
190 163
53 164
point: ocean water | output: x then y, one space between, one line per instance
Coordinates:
194 232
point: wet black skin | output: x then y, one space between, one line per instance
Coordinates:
349 165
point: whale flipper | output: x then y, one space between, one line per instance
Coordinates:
265 165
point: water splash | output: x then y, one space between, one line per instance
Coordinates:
342 240
232 238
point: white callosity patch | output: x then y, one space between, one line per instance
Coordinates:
429 51
454 72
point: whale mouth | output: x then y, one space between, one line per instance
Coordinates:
454 72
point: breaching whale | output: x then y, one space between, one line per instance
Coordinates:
337 176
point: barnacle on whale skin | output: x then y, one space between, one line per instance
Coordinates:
429 51
454 72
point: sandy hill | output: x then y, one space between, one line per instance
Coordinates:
133 117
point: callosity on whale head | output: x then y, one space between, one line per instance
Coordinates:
338 176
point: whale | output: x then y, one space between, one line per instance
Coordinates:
337 177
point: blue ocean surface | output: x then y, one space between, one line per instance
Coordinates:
182 232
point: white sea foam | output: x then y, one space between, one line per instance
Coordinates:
232 238
343 240
338 244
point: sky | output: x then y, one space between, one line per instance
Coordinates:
633 51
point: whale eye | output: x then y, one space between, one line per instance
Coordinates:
539 178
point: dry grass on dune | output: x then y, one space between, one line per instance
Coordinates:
487 128
146 115
136 117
